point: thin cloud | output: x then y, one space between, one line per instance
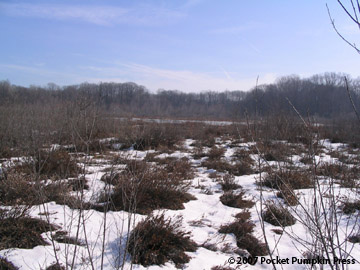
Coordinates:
184 80
100 15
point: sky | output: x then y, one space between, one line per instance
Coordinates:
189 45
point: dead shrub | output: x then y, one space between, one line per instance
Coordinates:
351 207
17 188
291 177
63 237
51 164
21 231
154 136
243 156
228 183
198 152
216 153
157 240
55 266
288 194
78 184
149 188
236 200
354 239
347 176
6 265
180 169
273 151
220 165
242 228
278 215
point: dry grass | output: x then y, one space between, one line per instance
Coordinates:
278 215
228 183
21 231
288 194
141 188
51 164
294 178
6 265
236 200
157 240
242 228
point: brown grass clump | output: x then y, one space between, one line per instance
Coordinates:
346 176
51 164
242 228
55 266
17 188
21 231
278 215
243 156
216 153
63 237
146 188
6 265
236 200
180 169
351 207
288 194
292 178
220 165
273 151
228 183
354 238
20 189
157 240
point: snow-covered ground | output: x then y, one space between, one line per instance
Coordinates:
202 217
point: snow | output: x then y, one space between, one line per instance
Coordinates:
202 217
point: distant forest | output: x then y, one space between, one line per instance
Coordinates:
323 96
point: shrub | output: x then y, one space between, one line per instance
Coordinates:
147 188
21 231
57 163
180 169
216 153
157 240
17 189
351 207
6 265
78 184
347 176
243 156
220 165
288 194
63 237
236 200
292 178
354 238
228 183
55 266
278 215
242 229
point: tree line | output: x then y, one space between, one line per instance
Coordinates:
323 96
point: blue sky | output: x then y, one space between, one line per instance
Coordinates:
189 45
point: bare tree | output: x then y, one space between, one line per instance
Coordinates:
352 10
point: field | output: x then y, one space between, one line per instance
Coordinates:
184 195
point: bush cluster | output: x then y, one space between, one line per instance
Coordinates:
236 200
243 228
157 240
278 215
